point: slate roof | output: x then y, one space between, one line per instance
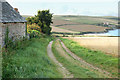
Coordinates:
8 14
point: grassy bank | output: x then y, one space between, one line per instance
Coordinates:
30 60
73 66
97 58
0 64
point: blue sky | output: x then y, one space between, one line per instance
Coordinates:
68 7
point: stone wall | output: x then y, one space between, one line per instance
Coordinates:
16 31
0 33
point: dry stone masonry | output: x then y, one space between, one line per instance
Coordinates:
11 19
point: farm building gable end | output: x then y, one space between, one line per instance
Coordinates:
8 14
11 19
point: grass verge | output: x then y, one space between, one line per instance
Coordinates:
97 58
30 60
0 64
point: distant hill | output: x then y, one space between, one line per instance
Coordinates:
91 20
84 23
26 16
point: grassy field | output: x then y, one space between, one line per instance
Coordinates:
97 58
84 28
91 20
30 60
82 23
108 45
57 29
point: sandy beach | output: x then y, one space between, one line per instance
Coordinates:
108 45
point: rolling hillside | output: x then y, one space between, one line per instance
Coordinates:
83 23
26 16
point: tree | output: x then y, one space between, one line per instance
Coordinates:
43 19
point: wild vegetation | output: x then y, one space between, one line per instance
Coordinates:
29 60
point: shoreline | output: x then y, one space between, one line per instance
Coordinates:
69 32
105 33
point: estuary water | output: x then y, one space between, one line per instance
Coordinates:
115 32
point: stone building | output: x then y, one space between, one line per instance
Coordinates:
11 20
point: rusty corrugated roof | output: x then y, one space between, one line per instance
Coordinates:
8 14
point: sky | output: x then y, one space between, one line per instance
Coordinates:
68 7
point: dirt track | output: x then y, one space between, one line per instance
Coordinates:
61 68
109 45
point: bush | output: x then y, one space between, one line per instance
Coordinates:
33 27
43 19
